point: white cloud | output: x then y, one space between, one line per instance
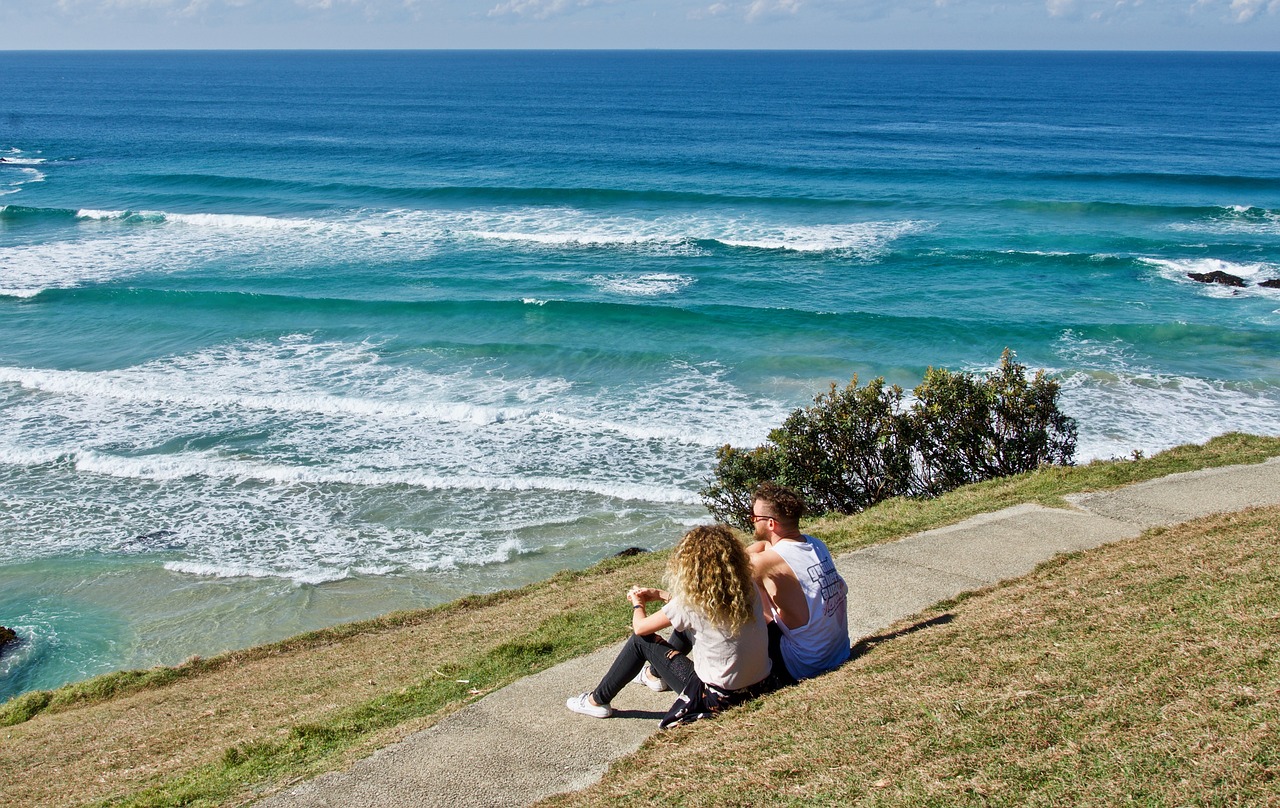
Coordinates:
115 5
713 10
1061 8
769 8
1237 11
538 9
751 12
1245 10
200 8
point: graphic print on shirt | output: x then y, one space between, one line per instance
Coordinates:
824 573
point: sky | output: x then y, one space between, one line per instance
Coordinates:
1234 25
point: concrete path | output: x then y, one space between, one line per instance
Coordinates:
519 744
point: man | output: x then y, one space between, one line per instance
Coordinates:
804 596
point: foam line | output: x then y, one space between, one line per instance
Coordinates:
211 465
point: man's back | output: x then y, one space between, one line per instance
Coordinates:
803 593
784 599
815 633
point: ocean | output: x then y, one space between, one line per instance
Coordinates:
289 339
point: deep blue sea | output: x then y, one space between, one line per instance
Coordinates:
292 339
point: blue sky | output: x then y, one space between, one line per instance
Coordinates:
838 24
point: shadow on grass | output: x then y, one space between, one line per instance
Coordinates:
866 644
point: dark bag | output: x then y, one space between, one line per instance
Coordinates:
701 700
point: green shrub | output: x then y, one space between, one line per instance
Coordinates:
857 446
851 449
728 496
969 429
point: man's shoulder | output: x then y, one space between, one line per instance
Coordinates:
766 561
818 545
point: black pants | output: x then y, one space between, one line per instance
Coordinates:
669 658
780 676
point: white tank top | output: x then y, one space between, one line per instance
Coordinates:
822 643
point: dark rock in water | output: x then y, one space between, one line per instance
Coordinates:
1274 283
630 551
7 637
155 535
1217 276
155 540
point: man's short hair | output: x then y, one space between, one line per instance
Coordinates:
787 503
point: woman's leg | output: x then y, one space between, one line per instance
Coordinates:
681 641
625 667
668 662
671 662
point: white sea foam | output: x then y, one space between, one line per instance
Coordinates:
569 228
1236 220
108 245
17 171
152 386
380 425
308 534
312 576
13 455
101 215
1251 272
1122 405
12 180
501 553
865 240
148 389
646 285
18 157
307 459
208 465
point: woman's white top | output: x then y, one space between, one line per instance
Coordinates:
728 662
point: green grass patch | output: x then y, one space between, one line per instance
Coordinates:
899 517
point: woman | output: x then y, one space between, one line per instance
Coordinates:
718 654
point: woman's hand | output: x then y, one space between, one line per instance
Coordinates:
640 595
641 621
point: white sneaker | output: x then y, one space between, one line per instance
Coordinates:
582 704
647 678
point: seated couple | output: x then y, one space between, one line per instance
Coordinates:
744 619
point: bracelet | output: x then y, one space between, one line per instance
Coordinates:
637 606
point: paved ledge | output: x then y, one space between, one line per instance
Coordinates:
1192 495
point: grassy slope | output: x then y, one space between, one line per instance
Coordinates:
223 730
1144 672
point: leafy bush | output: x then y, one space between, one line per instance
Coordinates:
852 447
858 445
970 429
738 471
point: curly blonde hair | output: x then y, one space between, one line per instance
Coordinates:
710 572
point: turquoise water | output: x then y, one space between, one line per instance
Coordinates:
290 339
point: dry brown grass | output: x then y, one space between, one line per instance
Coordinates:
1146 672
